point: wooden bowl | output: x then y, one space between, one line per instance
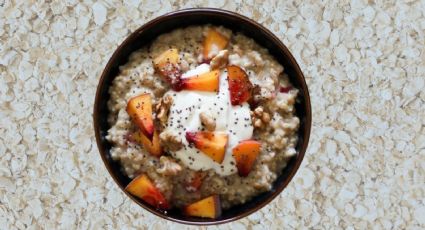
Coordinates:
166 23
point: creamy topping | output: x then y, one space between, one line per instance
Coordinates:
185 116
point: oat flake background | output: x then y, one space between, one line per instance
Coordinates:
364 61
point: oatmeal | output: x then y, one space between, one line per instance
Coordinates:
202 119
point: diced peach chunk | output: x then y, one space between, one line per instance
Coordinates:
213 43
152 146
212 144
239 85
203 82
143 188
209 207
167 64
245 154
139 108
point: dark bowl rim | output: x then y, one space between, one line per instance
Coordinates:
225 13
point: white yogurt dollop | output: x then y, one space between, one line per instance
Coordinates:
184 116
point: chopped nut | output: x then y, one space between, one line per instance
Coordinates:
163 108
258 123
168 167
265 117
170 142
207 121
259 117
220 60
258 111
260 185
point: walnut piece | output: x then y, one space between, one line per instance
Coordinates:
207 121
220 60
257 96
259 117
163 108
170 141
168 167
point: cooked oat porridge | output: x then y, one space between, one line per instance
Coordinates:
202 119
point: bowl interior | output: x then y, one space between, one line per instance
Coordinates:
143 36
